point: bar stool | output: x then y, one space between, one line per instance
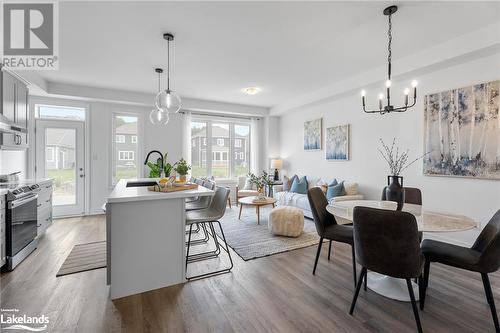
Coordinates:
207 217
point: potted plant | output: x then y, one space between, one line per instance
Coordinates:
182 168
398 162
155 168
260 182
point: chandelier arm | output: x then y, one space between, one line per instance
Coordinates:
168 65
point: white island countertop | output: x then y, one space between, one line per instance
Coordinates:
122 193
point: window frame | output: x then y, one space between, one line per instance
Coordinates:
113 148
121 136
231 153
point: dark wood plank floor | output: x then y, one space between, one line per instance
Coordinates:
272 294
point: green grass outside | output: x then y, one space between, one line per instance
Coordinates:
218 172
62 176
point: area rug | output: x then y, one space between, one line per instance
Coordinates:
84 257
251 241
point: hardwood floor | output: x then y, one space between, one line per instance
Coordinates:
271 294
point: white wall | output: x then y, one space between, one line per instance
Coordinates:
13 161
478 199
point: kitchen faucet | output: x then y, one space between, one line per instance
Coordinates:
162 162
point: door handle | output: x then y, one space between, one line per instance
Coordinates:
82 175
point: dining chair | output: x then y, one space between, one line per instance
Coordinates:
387 242
327 226
413 195
204 201
209 216
483 257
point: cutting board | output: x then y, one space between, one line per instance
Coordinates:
173 188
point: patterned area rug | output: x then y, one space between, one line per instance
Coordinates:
251 241
84 257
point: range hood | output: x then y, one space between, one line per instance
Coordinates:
6 126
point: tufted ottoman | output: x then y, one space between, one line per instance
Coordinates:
286 221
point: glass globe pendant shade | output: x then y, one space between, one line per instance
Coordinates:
158 117
169 101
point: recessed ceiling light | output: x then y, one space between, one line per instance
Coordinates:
252 90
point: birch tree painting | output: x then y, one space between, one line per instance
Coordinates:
337 143
312 134
462 132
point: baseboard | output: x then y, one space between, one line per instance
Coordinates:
96 212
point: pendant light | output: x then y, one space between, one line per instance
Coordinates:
158 116
389 107
168 100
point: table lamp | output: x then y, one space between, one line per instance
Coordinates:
276 164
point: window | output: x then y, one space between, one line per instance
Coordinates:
228 148
126 155
125 161
59 112
193 143
49 154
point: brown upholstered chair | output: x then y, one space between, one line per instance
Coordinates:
387 242
483 257
327 226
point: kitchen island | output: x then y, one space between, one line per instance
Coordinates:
145 235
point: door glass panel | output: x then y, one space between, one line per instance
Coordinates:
198 149
60 164
220 150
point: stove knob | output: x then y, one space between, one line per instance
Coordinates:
15 192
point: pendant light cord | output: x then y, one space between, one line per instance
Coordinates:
168 65
389 49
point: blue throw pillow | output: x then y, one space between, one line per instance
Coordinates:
335 190
299 185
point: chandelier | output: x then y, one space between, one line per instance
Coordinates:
389 107
168 100
157 116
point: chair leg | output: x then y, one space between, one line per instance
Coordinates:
414 304
366 281
358 287
188 245
421 291
354 264
425 282
329 249
491 300
317 255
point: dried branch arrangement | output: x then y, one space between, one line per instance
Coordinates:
398 161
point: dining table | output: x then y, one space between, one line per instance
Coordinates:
427 221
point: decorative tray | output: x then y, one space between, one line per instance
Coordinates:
175 188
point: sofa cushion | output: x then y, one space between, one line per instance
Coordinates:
335 191
248 185
350 188
299 185
287 182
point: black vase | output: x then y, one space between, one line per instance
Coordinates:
395 191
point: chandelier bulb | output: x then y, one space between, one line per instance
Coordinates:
414 83
363 93
388 83
406 91
381 96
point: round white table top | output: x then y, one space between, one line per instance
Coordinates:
427 221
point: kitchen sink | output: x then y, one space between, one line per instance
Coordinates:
141 183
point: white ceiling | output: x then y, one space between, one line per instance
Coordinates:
286 48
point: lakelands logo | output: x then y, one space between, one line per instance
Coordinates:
10 319
29 35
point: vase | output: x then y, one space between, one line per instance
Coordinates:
261 191
182 178
395 191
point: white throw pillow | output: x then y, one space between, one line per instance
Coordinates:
350 188
248 185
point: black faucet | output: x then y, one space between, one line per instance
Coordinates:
161 156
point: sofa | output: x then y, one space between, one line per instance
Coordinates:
286 198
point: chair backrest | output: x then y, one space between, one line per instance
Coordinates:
209 184
413 195
219 202
387 242
241 182
488 243
318 203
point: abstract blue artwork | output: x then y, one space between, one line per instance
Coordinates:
337 143
312 134
462 132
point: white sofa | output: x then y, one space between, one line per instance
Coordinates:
285 198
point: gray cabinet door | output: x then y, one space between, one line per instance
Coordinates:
22 111
9 106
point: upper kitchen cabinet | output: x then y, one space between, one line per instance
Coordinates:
14 108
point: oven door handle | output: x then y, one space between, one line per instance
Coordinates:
18 223
20 202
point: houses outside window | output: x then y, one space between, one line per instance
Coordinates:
120 138
49 154
237 143
126 155
134 139
220 142
125 162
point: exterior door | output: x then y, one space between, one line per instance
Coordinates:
60 155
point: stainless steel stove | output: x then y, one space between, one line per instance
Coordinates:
21 222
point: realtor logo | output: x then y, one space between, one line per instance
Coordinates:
29 35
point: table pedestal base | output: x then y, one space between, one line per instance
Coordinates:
391 287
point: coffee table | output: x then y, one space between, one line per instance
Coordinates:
248 201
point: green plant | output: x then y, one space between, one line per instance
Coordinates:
181 167
260 181
155 168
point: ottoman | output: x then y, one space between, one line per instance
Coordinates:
286 221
